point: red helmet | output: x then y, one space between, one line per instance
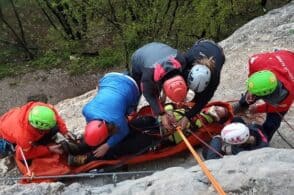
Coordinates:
96 133
175 88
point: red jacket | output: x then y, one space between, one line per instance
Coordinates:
15 128
282 64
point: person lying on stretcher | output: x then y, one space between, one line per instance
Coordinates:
208 115
145 135
234 138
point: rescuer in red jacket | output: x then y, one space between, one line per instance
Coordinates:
29 128
271 78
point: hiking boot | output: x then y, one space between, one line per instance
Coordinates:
77 160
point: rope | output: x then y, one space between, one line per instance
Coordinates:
204 143
282 117
284 139
25 161
204 168
280 134
80 175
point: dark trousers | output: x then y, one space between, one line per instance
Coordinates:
135 143
215 143
272 123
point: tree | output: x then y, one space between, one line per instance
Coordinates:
71 16
18 37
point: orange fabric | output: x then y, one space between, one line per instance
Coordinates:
15 128
44 167
33 152
52 164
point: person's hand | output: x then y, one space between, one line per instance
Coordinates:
227 148
56 148
101 150
168 121
253 109
250 98
70 136
183 123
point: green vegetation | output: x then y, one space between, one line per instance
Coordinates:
91 35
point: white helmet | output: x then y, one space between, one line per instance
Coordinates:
235 133
198 78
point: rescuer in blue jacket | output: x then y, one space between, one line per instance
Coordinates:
117 96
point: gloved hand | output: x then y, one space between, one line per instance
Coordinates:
227 148
168 121
250 98
253 109
70 136
242 102
184 123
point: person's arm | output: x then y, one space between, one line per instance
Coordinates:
203 99
151 93
122 132
261 108
61 124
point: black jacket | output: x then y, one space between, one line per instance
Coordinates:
199 50
151 65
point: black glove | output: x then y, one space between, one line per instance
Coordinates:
242 102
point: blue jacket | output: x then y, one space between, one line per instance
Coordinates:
117 95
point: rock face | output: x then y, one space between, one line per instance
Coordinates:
266 171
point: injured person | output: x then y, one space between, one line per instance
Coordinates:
146 134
